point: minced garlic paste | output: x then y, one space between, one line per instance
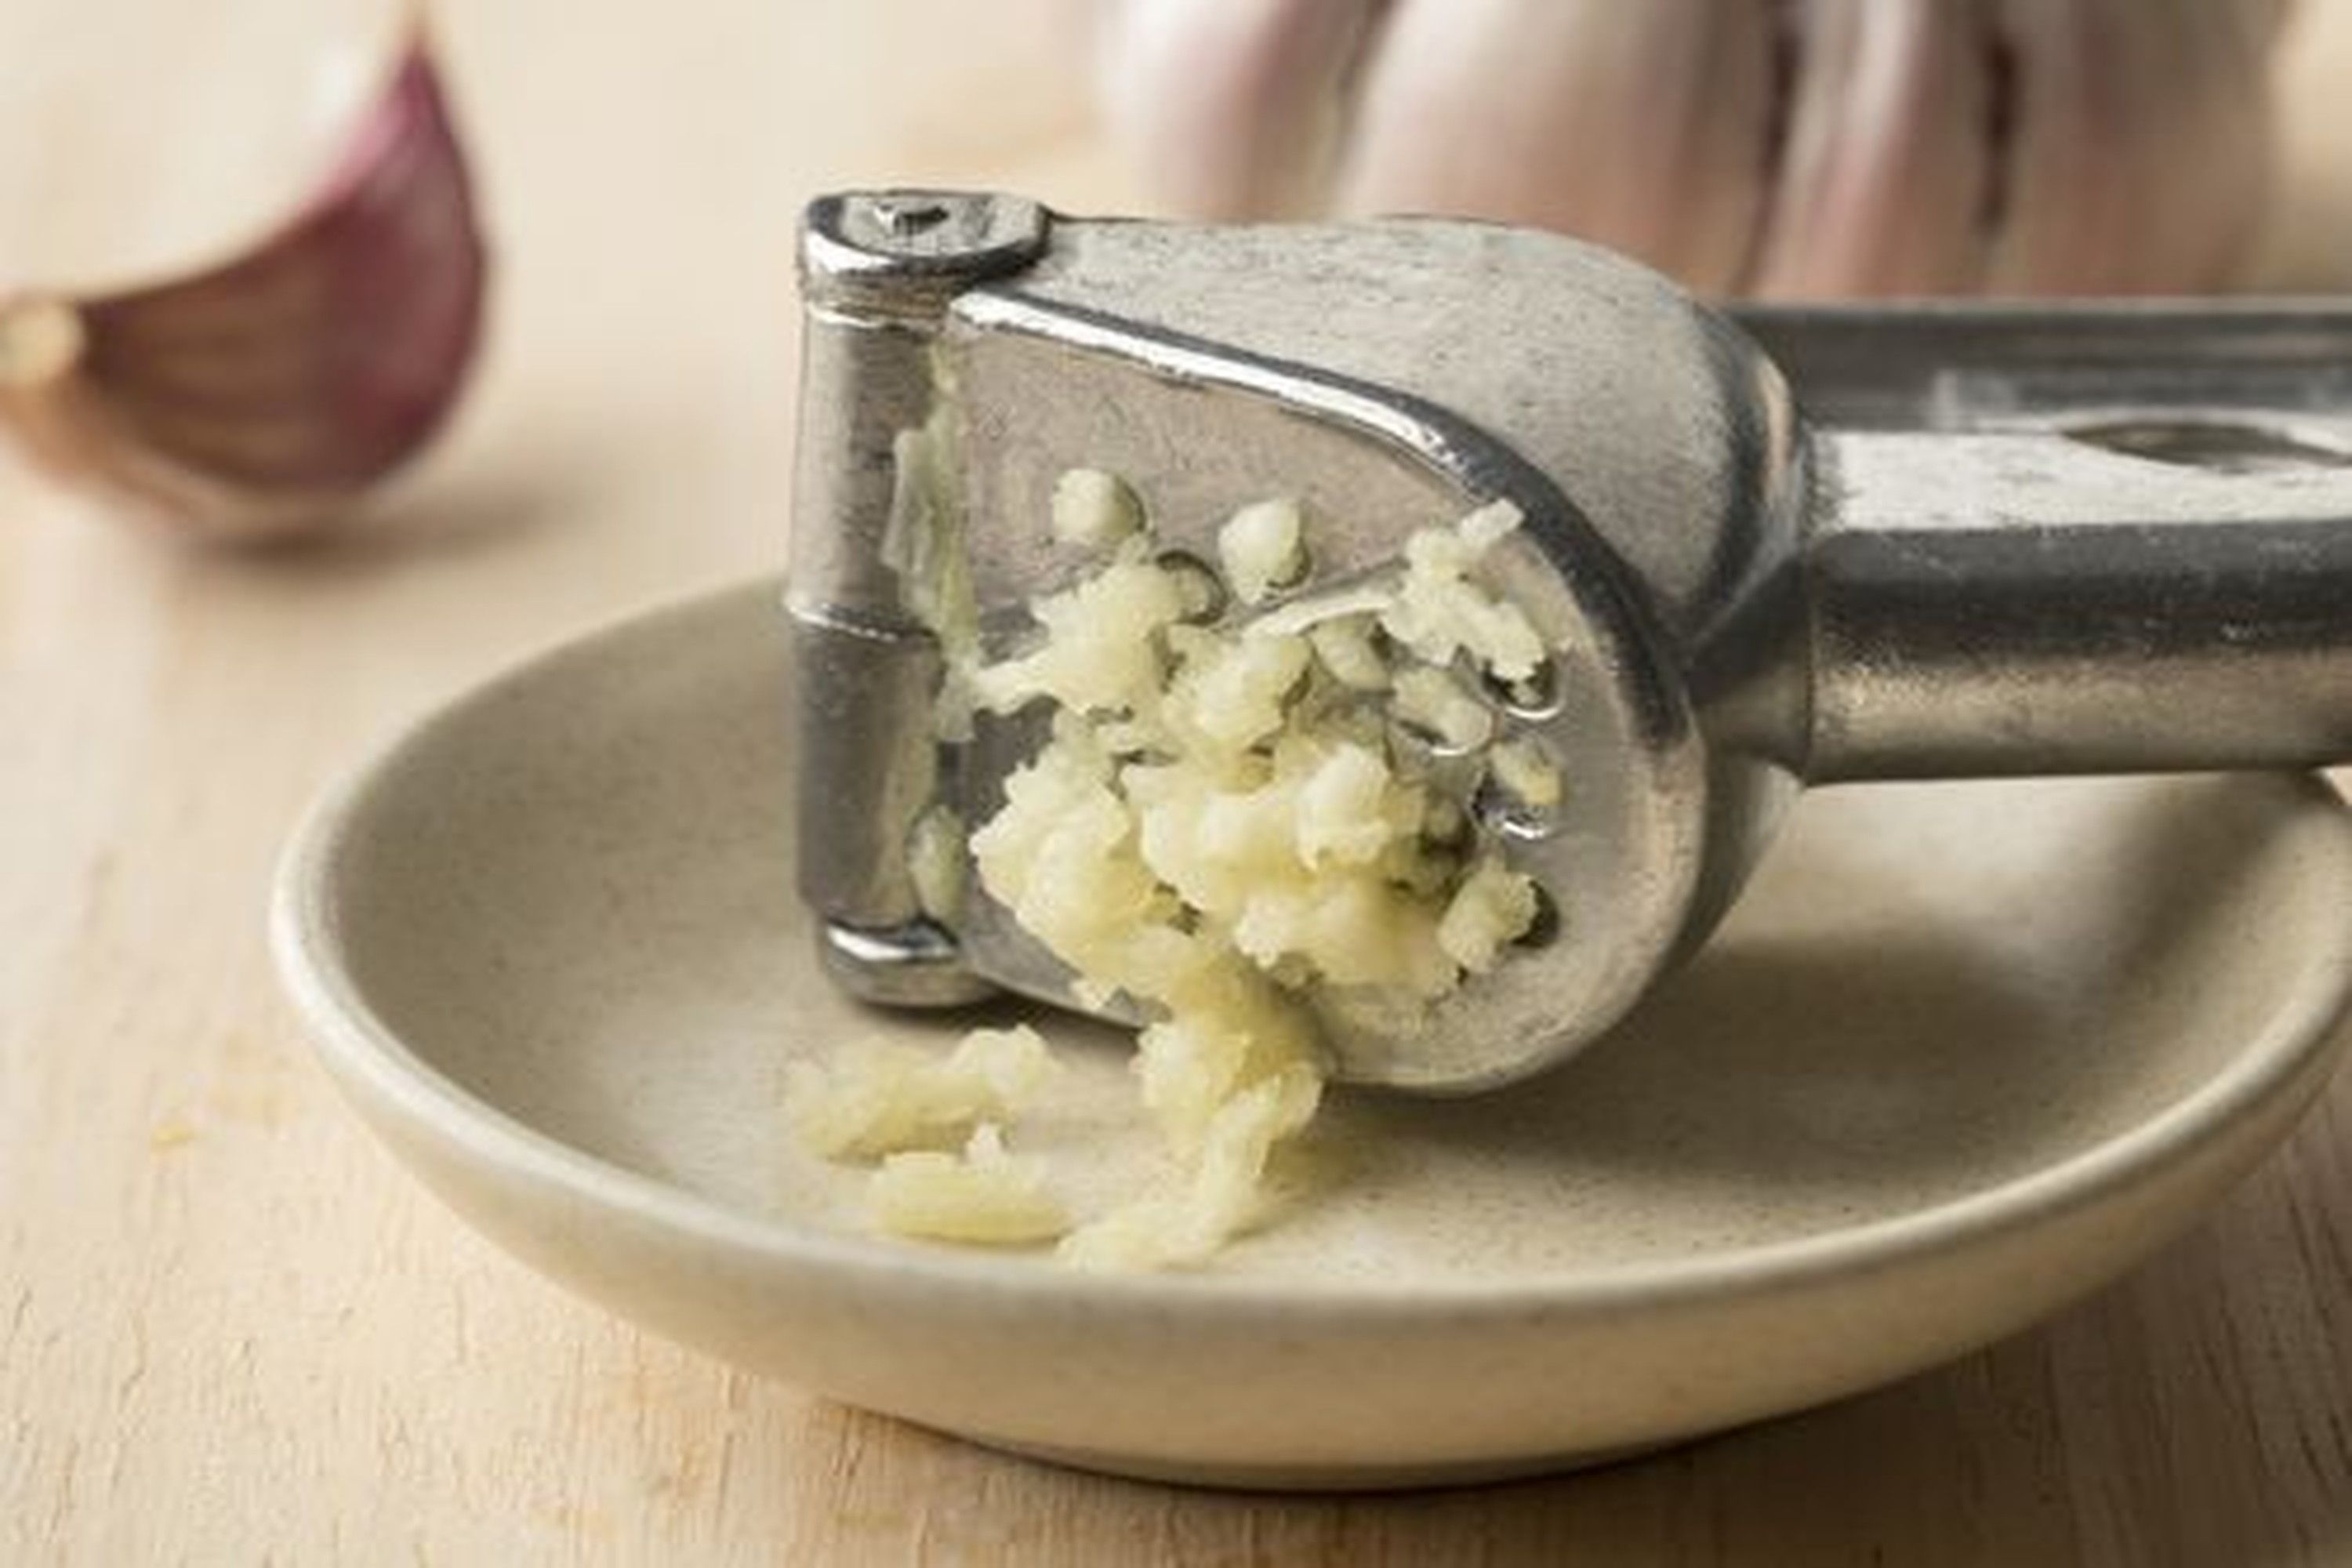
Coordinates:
1224 819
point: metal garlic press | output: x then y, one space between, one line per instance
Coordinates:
1766 549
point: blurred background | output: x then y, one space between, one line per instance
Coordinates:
166 710
639 174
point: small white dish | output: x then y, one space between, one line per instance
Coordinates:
1963 1053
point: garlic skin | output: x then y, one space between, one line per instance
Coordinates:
1887 163
1798 149
259 397
2142 144
1638 124
1234 109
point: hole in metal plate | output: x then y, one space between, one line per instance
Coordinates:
1544 928
1536 697
2221 445
1204 591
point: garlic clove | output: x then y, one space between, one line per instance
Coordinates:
1231 109
263 395
1641 126
1885 168
2139 145
1791 148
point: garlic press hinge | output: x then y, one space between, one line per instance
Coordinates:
878 271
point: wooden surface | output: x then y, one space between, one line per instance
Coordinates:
231 1331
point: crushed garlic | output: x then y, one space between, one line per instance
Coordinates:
1217 824
1261 549
1348 646
1520 766
1093 510
985 1195
935 862
1434 702
877 1099
1440 612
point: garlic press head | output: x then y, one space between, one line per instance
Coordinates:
1971 560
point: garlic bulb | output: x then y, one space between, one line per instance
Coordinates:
1251 132
1788 147
1887 153
2142 141
263 394
1469 107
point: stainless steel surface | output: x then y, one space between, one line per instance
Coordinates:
2018 541
2103 538
2032 603
1972 365
876 274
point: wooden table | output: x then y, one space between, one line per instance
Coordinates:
231 1331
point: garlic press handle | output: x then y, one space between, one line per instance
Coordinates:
1996 603
2100 537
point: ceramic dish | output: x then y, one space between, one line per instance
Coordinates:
1963 1053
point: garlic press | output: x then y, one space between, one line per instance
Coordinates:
1764 547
